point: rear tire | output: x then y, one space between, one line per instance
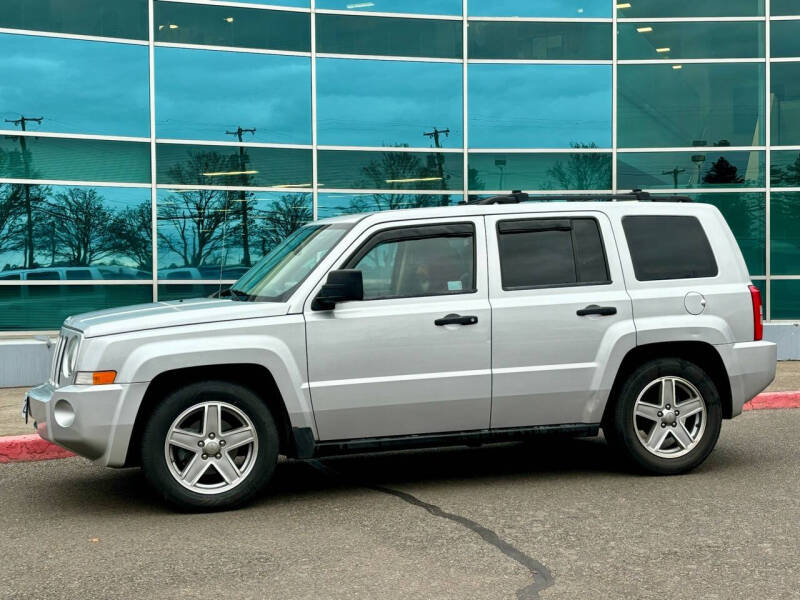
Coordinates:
210 445
666 418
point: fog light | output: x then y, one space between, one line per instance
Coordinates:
64 414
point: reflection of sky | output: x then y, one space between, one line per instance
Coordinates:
539 106
540 8
200 94
77 86
384 103
422 7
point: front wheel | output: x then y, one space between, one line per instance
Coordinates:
667 416
209 445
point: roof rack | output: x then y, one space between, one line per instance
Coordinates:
518 196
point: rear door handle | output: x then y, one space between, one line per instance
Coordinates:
594 309
454 319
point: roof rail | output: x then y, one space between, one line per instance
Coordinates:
518 196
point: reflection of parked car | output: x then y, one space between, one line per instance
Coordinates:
206 272
183 273
73 274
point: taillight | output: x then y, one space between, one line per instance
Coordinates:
758 326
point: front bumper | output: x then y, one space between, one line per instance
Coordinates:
92 421
751 368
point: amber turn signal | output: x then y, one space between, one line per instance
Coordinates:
95 378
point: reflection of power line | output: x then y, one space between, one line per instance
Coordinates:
21 122
243 194
674 172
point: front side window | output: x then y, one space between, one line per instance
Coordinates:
418 261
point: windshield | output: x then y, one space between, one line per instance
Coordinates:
276 276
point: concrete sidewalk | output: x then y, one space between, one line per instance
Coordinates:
11 423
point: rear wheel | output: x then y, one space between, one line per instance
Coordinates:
210 445
667 416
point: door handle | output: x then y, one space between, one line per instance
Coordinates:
454 319
594 309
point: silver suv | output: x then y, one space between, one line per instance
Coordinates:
418 328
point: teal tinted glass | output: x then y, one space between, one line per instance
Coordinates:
42 307
690 40
539 41
77 232
233 166
746 216
785 168
75 86
785 233
388 102
539 106
785 115
540 8
389 36
694 105
784 7
785 38
331 205
118 18
202 233
74 160
422 7
204 94
554 171
690 8
178 291
703 168
785 299
390 170
178 22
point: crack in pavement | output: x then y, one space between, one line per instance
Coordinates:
542 578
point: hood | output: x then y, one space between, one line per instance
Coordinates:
170 314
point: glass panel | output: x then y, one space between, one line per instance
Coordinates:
540 8
705 168
380 110
539 41
201 232
74 227
118 18
691 40
391 170
785 38
785 168
561 171
543 106
177 291
229 26
344 34
422 7
25 157
233 166
27 308
785 233
74 86
746 216
785 100
785 299
691 8
206 94
694 105
784 7
332 205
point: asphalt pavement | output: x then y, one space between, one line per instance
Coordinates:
554 519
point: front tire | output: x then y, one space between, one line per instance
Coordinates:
667 416
210 445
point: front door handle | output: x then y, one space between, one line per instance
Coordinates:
594 309
454 319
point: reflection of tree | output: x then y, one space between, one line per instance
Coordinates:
10 212
282 217
788 176
131 231
582 171
722 171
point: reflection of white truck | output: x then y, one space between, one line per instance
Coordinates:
73 274
475 324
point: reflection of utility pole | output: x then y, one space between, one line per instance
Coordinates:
434 135
243 194
26 162
500 163
675 172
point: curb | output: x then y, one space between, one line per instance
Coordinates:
26 448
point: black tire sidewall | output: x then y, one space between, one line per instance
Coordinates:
623 433
154 463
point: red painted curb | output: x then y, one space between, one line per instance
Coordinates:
24 448
773 400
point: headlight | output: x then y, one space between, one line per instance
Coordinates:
70 357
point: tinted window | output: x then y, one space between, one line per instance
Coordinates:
551 252
42 275
656 256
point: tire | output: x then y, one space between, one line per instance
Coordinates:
222 449
686 438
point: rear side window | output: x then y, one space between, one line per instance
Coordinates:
668 247
550 253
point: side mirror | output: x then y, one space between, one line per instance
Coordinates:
341 286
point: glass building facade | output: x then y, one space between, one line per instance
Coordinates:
150 149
